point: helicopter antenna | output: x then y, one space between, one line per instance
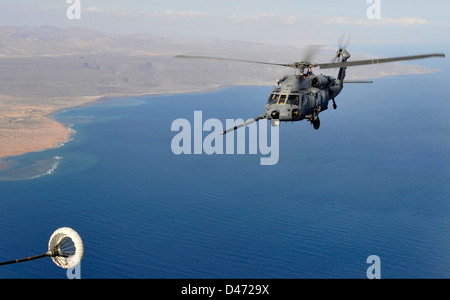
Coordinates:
65 247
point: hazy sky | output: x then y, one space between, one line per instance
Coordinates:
284 21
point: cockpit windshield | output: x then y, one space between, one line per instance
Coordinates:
281 99
273 98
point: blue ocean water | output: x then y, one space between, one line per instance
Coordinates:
374 180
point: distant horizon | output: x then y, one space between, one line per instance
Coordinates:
331 43
285 22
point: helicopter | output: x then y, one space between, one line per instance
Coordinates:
304 95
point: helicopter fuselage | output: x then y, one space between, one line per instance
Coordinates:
300 97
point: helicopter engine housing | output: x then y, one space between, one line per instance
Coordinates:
320 81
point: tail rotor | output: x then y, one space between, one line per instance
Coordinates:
342 48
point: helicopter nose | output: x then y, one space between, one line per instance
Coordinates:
275 114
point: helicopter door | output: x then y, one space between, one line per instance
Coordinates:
304 101
293 99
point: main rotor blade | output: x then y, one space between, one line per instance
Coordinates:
375 61
236 60
357 81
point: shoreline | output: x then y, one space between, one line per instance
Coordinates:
68 132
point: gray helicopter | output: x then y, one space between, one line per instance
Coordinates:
305 94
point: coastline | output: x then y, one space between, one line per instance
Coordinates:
52 134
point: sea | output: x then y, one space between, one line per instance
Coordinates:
373 180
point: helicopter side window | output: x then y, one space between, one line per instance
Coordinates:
293 99
282 99
273 98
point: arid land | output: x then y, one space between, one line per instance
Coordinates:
47 69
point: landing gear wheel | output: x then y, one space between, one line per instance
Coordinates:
316 123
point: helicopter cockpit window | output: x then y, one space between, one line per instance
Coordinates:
282 99
293 99
273 98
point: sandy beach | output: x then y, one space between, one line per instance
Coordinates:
45 134
29 128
